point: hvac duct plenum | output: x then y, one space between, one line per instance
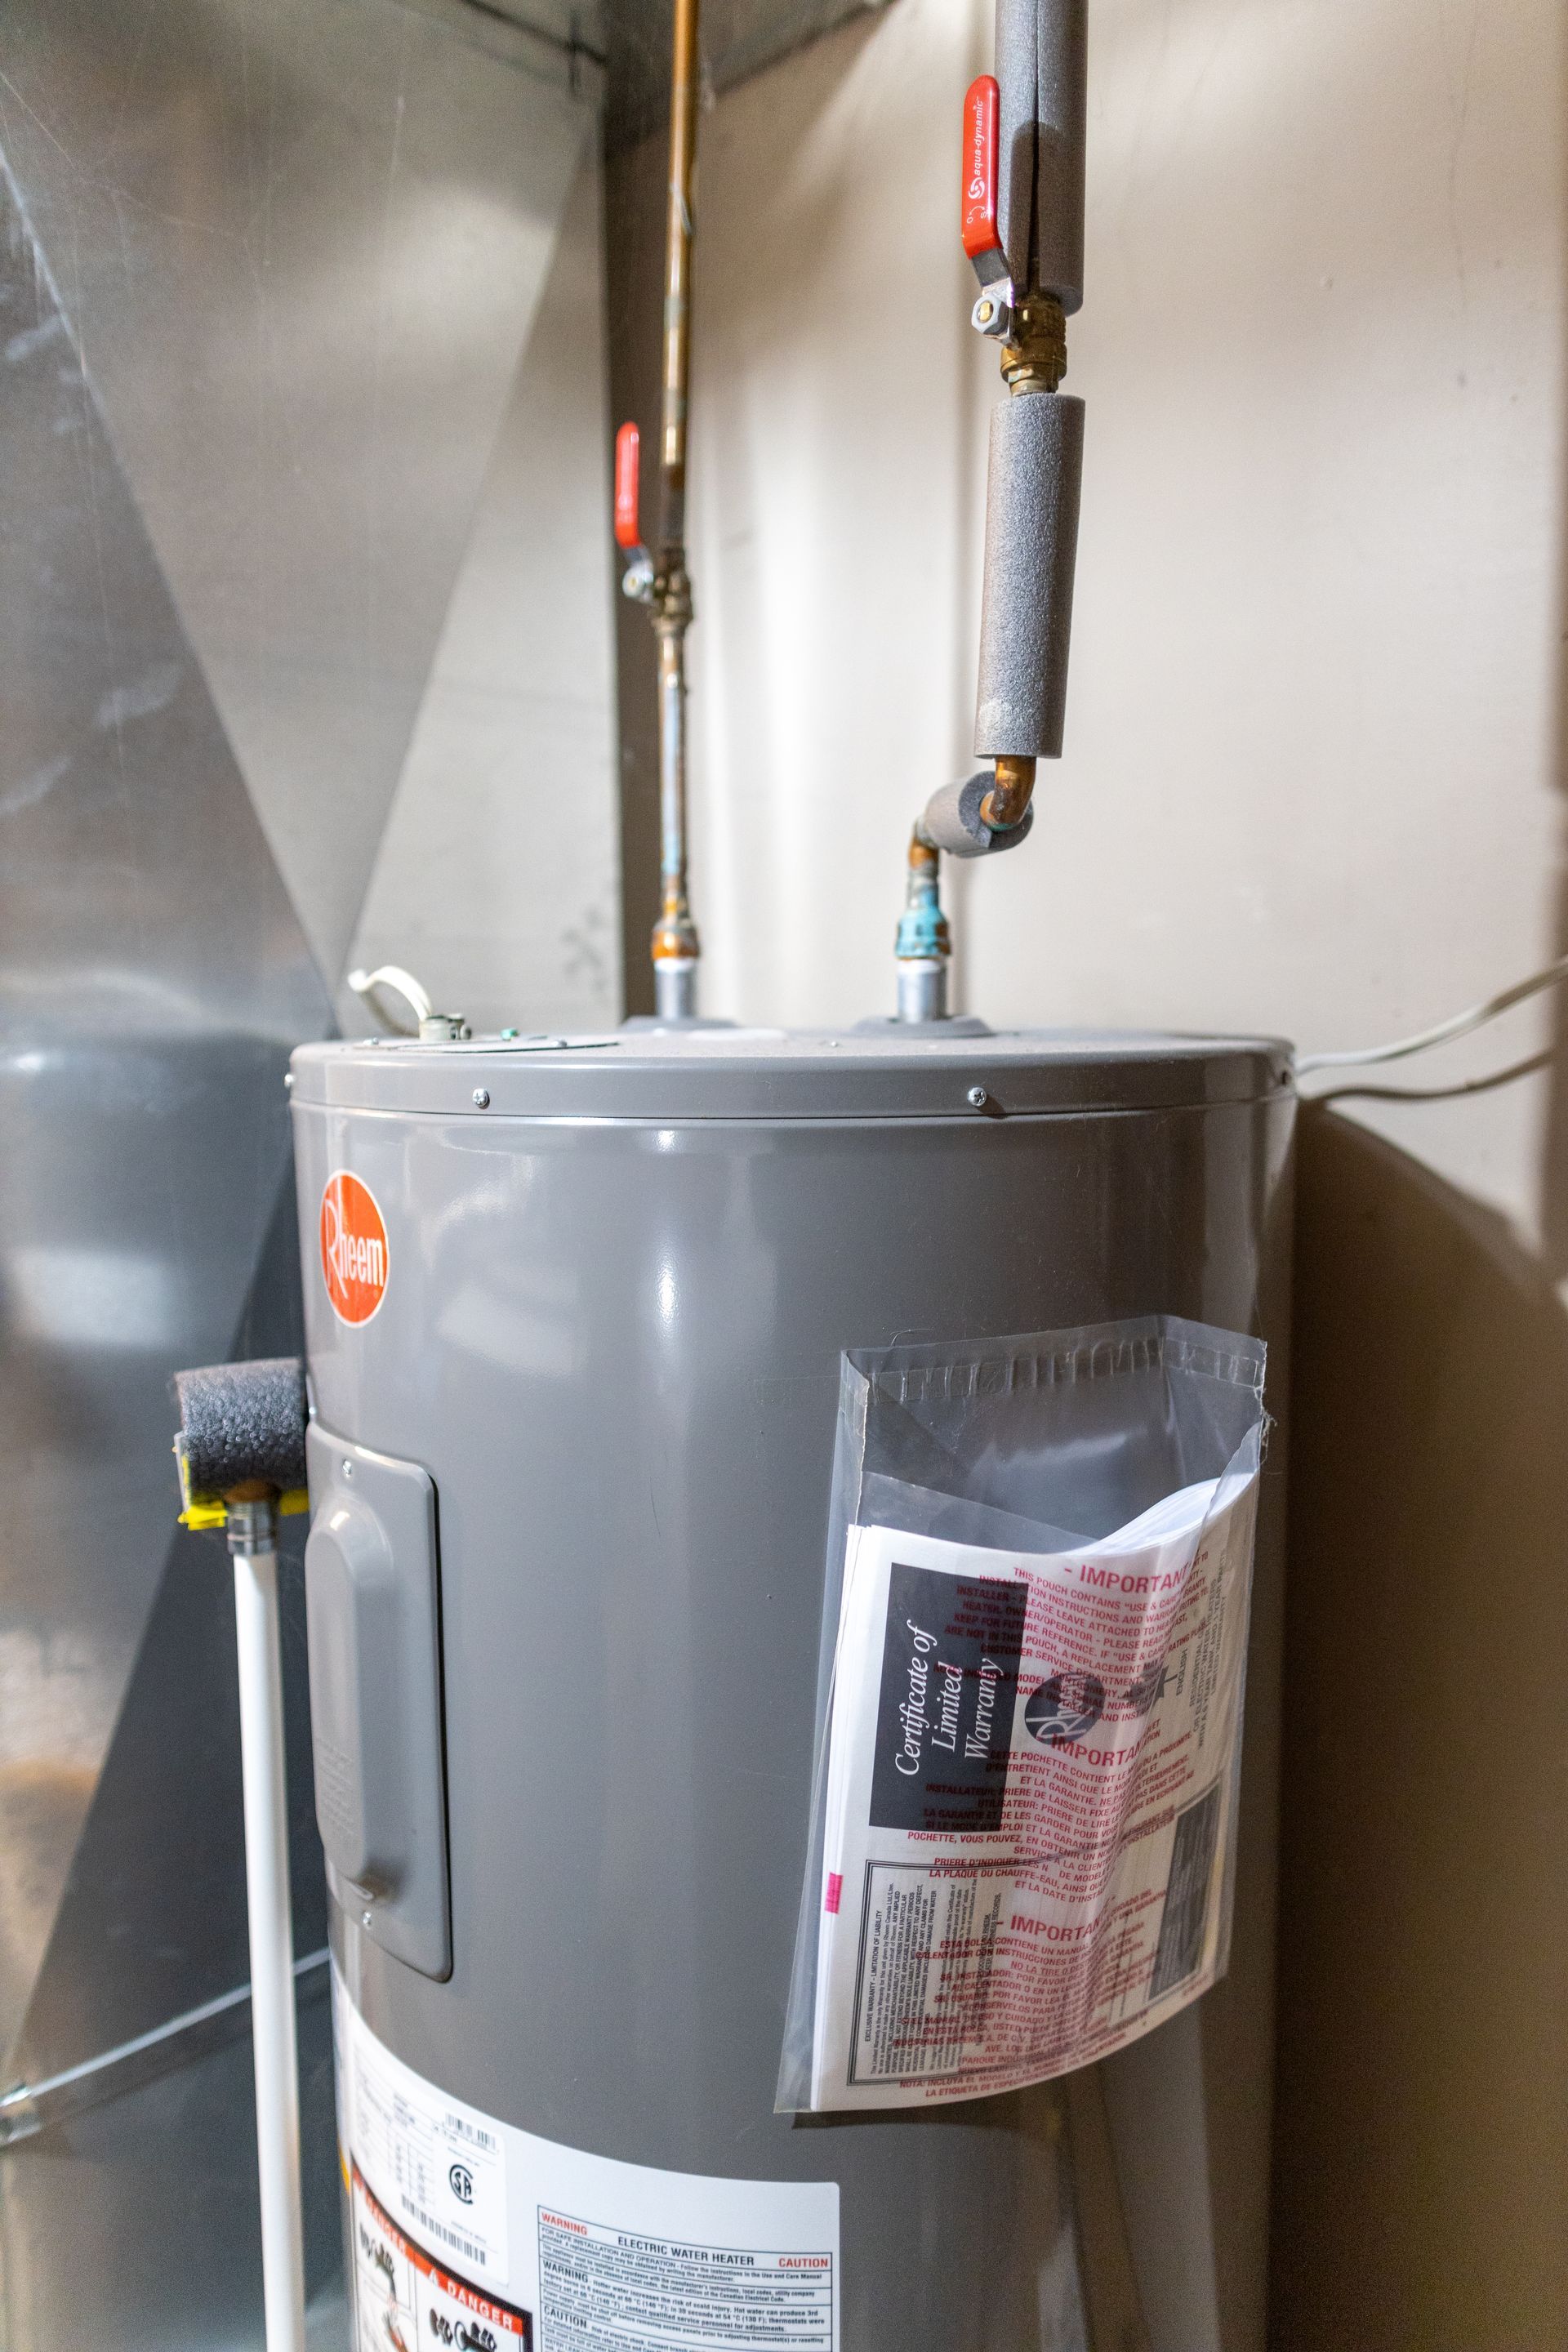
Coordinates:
574 1355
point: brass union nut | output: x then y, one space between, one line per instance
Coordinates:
1035 358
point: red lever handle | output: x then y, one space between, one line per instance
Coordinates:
981 112
628 468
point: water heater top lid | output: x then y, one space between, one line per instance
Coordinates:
775 1074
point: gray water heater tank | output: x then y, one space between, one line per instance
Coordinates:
574 1317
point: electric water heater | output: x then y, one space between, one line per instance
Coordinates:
575 1314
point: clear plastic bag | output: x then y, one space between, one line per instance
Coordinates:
1029 1708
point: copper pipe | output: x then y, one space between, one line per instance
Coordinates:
1006 803
683 98
675 941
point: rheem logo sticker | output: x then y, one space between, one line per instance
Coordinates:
353 1248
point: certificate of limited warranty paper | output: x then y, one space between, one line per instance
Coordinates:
1030 1793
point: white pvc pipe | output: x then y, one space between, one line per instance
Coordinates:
271 1948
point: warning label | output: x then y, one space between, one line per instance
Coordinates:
471 2233
612 2288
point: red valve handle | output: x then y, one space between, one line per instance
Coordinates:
628 466
981 113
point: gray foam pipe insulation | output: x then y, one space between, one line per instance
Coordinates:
1042 52
1031 543
241 1423
1037 436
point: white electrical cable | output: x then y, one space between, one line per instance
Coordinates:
1549 976
1359 1090
392 975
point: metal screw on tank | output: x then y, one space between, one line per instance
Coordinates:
978 1097
481 1098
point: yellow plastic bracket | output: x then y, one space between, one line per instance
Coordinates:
203 1517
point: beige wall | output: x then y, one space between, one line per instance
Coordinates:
1313 785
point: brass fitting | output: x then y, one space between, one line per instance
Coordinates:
1035 357
669 597
675 934
1006 803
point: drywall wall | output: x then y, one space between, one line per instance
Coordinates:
1313 784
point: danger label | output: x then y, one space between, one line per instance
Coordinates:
405 2298
353 1248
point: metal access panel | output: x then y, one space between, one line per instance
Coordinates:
373 1608
615 1284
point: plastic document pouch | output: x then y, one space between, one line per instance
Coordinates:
1024 1812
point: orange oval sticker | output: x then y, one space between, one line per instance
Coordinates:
353 1248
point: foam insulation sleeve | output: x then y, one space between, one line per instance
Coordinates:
1041 73
953 822
1031 540
243 1422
